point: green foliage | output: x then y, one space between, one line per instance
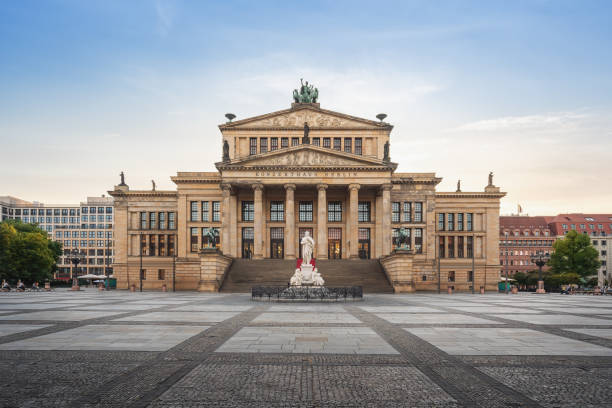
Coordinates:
26 252
555 280
574 254
533 277
591 283
520 278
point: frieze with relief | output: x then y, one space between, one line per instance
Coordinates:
304 158
314 119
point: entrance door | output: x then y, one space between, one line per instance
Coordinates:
334 243
248 246
302 233
277 243
364 243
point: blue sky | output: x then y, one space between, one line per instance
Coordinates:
522 88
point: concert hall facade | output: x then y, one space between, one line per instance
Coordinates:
306 169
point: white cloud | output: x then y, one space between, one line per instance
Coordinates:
165 16
547 122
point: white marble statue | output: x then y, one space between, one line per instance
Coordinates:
307 248
306 274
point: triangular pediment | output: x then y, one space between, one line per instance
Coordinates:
306 156
299 114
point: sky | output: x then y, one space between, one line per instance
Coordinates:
523 89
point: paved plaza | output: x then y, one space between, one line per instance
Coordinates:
120 349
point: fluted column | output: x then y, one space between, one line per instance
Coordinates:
352 224
225 219
289 221
322 222
386 219
258 222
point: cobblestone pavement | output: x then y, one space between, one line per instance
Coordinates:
119 349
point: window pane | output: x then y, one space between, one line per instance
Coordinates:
305 211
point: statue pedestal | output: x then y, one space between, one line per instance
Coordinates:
540 287
306 275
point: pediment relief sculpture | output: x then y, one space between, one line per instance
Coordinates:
314 119
304 158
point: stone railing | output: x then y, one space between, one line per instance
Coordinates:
213 268
398 268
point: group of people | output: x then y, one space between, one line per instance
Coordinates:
20 286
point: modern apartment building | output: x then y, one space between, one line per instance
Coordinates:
86 227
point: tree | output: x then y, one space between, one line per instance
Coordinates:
574 254
520 278
26 252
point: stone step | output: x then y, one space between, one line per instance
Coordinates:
245 273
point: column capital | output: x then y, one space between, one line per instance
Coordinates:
257 186
289 187
386 187
322 186
354 186
227 188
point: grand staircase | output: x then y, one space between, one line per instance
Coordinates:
244 274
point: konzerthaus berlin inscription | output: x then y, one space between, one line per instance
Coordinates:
306 169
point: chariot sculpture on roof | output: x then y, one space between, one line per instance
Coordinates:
306 94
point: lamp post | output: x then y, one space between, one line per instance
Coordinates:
75 260
140 270
540 259
506 282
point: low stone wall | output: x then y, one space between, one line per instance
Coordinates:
398 268
213 268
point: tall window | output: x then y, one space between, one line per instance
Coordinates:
195 214
277 211
470 226
152 246
171 220
395 212
152 221
284 142
253 146
451 276
441 248
305 211
194 239
441 222
171 244
460 247
418 212
263 145
316 141
248 211
326 142
460 222
363 211
407 212
451 246
470 276
273 143
470 247
205 213
450 224
348 145
334 211
143 220
358 145
216 215
161 244
337 143
161 274
295 141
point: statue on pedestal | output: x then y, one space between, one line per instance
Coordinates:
226 157
307 273
490 178
306 139
307 247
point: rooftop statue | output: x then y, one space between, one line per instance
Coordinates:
306 94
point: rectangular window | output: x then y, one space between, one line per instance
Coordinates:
451 246
418 240
161 240
205 213
171 220
252 146
358 146
460 222
194 239
216 215
248 211
83 210
418 212
407 212
143 220
316 141
273 143
206 241
152 245
451 276
363 211
171 251
334 211
295 141
277 211
326 142
152 221
143 274
441 248
348 145
305 211
337 143
441 222
263 145
469 222
143 244
459 247
284 142
161 274
195 213
395 212
470 247
450 224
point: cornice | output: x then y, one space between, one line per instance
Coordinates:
469 195
309 168
142 193
417 180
